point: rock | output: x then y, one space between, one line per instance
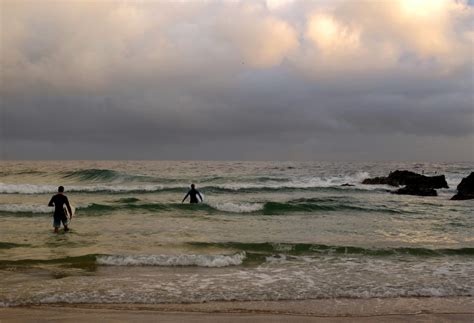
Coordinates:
465 189
416 190
404 177
376 181
347 184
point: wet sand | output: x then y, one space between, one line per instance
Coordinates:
448 309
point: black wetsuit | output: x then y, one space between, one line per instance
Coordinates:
58 201
193 194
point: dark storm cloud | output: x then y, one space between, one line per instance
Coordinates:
236 80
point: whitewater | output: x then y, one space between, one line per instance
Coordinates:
266 231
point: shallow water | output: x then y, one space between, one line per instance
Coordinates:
267 231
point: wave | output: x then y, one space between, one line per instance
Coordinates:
85 261
173 260
108 175
235 254
228 182
32 208
101 188
92 174
22 208
92 260
231 207
215 184
313 205
271 248
22 172
160 188
11 245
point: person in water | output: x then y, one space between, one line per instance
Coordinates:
193 193
58 201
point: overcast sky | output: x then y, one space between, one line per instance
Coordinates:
237 80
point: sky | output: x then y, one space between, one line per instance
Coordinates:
237 80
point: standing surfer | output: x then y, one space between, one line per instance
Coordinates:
193 193
60 215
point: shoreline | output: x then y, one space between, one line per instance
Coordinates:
445 309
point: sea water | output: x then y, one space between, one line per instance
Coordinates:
266 231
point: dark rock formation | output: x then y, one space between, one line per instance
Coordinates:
376 181
347 184
416 190
404 177
465 189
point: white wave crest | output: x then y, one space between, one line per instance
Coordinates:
302 183
32 208
41 189
238 207
27 188
21 208
173 260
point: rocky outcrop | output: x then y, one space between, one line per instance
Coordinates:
415 190
404 177
465 189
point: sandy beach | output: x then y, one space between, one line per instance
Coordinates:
456 309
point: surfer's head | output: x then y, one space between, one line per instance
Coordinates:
61 189
192 185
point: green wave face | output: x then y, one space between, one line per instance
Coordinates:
92 174
87 262
268 208
11 245
105 175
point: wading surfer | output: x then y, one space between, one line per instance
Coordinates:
58 201
193 193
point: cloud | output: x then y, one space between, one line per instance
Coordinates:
390 35
262 40
280 75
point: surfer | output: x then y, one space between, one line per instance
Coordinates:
60 215
193 193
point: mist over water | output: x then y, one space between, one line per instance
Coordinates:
266 231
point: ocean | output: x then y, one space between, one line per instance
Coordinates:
266 231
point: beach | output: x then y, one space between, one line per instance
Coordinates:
341 310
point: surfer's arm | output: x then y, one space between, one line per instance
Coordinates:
51 202
185 197
68 207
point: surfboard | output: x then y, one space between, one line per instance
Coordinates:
69 216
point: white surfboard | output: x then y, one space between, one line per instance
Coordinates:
70 216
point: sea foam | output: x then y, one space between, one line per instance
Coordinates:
42 189
173 260
238 207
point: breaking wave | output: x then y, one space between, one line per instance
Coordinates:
197 260
100 188
314 205
173 260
